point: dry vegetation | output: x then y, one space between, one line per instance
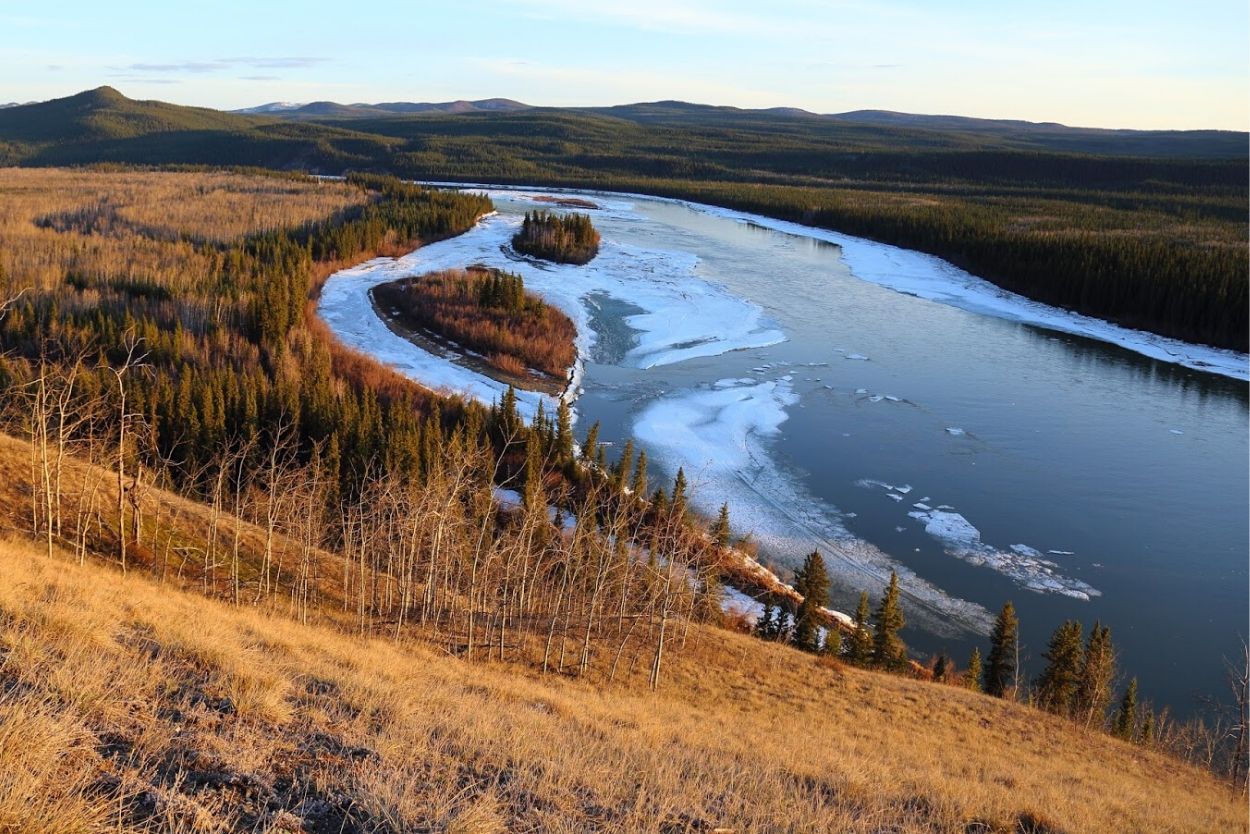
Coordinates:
143 708
144 224
489 312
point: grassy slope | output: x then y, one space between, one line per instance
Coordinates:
194 716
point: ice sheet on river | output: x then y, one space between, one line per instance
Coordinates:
930 277
719 435
684 315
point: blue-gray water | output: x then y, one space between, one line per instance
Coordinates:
1136 467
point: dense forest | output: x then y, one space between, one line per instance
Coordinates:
487 311
1154 242
567 238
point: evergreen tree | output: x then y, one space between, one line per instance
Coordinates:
624 466
1056 686
564 434
812 582
1093 691
940 669
679 493
783 629
535 498
1000 668
639 485
1147 738
833 642
860 651
888 651
720 530
972 678
765 624
591 447
1125 725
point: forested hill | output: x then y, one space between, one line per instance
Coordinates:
1149 232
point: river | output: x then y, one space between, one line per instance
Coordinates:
982 456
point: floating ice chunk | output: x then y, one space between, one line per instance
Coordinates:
859 357
895 497
899 529
1062 552
1176 431
955 430
892 398
875 398
1020 562
905 488
952 528
861 390
920 505
945 507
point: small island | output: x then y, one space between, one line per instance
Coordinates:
568 239
487 316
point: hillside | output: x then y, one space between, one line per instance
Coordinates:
141 706
1145 229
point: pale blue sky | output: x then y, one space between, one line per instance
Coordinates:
1105 63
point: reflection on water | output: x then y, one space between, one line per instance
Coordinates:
1126 473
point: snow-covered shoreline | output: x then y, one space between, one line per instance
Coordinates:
932 278
682 316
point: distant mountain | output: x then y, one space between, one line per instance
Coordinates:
271 107
104 113
334 110
102 125
1060 137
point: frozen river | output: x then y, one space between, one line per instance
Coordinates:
897 413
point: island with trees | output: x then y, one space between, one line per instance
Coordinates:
567 239
501 329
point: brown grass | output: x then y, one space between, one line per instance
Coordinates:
139 705
144 225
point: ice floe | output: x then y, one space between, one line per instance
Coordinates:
719 436
1020 562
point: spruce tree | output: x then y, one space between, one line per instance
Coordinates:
1000 668
1147 738
1093 691
833 642
888 651
972 678
764 625
1125 725
591 447
720 530
679 493
783 625
860 651
564 434
1056 686
812 582
639 484
940 669
624 466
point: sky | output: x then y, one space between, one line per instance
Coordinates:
1099 63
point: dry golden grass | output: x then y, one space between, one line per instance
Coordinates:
146 222
137 705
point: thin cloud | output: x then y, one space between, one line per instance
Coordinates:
225 64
